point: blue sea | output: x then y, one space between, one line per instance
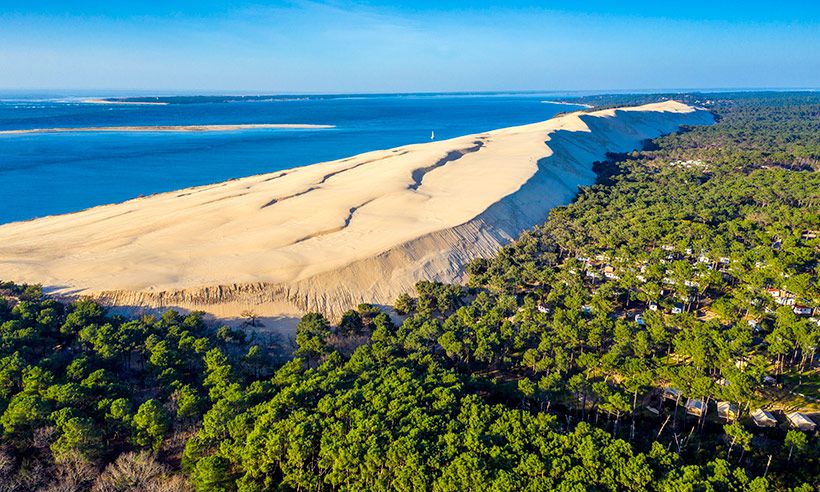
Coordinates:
53 173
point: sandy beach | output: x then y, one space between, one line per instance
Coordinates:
588 106
328 236
134 103
170 128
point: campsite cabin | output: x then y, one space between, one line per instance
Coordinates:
785 301
727 410
762 418
671 394
802 310
695 407
800 421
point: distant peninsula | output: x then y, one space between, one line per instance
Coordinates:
169 128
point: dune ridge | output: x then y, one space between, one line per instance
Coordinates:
328 236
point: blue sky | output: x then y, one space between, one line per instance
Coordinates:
380 46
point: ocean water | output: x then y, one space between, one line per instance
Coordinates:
53 173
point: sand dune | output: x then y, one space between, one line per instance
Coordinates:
328 236
167 128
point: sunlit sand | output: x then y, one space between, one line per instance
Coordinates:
328 236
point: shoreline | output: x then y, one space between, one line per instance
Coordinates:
564 103
170 128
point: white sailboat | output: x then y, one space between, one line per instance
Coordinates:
432 135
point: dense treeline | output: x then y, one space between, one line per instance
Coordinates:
80 389
689 270
390 418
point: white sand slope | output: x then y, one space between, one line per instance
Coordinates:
328 236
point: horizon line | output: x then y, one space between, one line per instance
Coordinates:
241 92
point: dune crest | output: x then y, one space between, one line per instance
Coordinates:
328 236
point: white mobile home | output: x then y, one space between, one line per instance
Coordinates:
801 421
671 394
695 407
727 410
762 418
